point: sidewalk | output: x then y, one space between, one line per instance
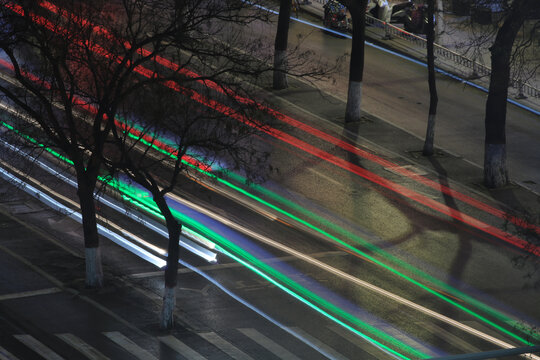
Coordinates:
379 137
516 196
455 37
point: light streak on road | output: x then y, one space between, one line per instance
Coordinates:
133 196
411 194
353 168
371 248
258 311
309 129
114 237
319 310
353 279
407 278
143 254
295 289
357 151
185 241
277 278
389 268
220 107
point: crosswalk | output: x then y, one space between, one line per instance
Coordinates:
130 348
237 344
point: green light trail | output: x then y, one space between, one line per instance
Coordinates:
448 288
224 244
371 247
314 301
348 327
486 308
138 197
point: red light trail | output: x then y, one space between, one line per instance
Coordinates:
318 133
411 194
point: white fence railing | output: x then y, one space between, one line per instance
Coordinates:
477 69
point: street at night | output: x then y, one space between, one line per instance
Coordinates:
304 233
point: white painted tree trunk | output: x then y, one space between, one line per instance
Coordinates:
495 172
94 271
439 20
280 68
169 304
354 100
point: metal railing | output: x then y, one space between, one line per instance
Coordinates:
476 69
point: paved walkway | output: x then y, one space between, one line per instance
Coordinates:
469 174
456 36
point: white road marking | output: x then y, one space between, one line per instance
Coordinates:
129 345
6 355
327 349
30 293
225 346
85 349
268 344
328 178
181 348
38 347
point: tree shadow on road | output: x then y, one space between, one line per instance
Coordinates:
461 256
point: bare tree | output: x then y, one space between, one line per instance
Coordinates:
209 131
141 59
357 9
280 54
495 169
72 55
39 42
433 99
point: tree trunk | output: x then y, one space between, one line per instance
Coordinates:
280 46
439 20
353 111
171 271
495 170
85 191
433 99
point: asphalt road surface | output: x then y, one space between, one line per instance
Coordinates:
356 260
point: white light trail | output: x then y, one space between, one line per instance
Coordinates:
185 241
348 277
49 201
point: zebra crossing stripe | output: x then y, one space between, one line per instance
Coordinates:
181 348
85 349
6 355
268 344
129 345
38 347
225 346
327 349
